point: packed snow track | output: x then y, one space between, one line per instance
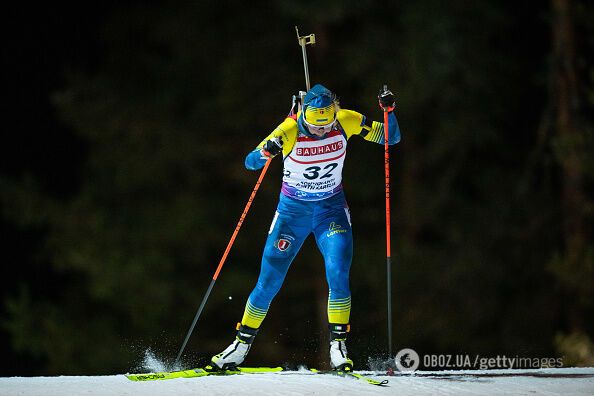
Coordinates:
564 381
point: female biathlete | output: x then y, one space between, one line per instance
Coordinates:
313 143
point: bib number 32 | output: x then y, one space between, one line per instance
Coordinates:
313 172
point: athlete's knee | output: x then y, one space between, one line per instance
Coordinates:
344 244
269 284
271 277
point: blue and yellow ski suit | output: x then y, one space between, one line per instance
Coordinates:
311 201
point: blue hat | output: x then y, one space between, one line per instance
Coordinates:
318 106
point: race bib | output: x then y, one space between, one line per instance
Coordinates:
313 169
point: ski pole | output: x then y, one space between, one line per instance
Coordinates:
222 262
388 247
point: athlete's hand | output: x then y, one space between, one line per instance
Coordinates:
273 147
386 99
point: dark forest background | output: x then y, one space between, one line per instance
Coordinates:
125 127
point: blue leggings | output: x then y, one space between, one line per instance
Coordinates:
329 221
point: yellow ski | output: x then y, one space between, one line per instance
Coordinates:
199 372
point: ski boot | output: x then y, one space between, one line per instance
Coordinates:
235 353
338 351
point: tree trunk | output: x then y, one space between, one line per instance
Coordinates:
567 132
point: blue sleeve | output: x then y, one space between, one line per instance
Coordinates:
376 132
393 129
255 160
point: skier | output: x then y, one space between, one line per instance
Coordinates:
313 143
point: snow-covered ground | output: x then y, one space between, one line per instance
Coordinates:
565 381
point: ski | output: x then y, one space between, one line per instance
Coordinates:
351 374
203 372
199 372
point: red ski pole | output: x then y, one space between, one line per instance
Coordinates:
224 258
388 244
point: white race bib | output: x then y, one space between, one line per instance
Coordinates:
313 169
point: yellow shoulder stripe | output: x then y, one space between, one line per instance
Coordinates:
350 121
